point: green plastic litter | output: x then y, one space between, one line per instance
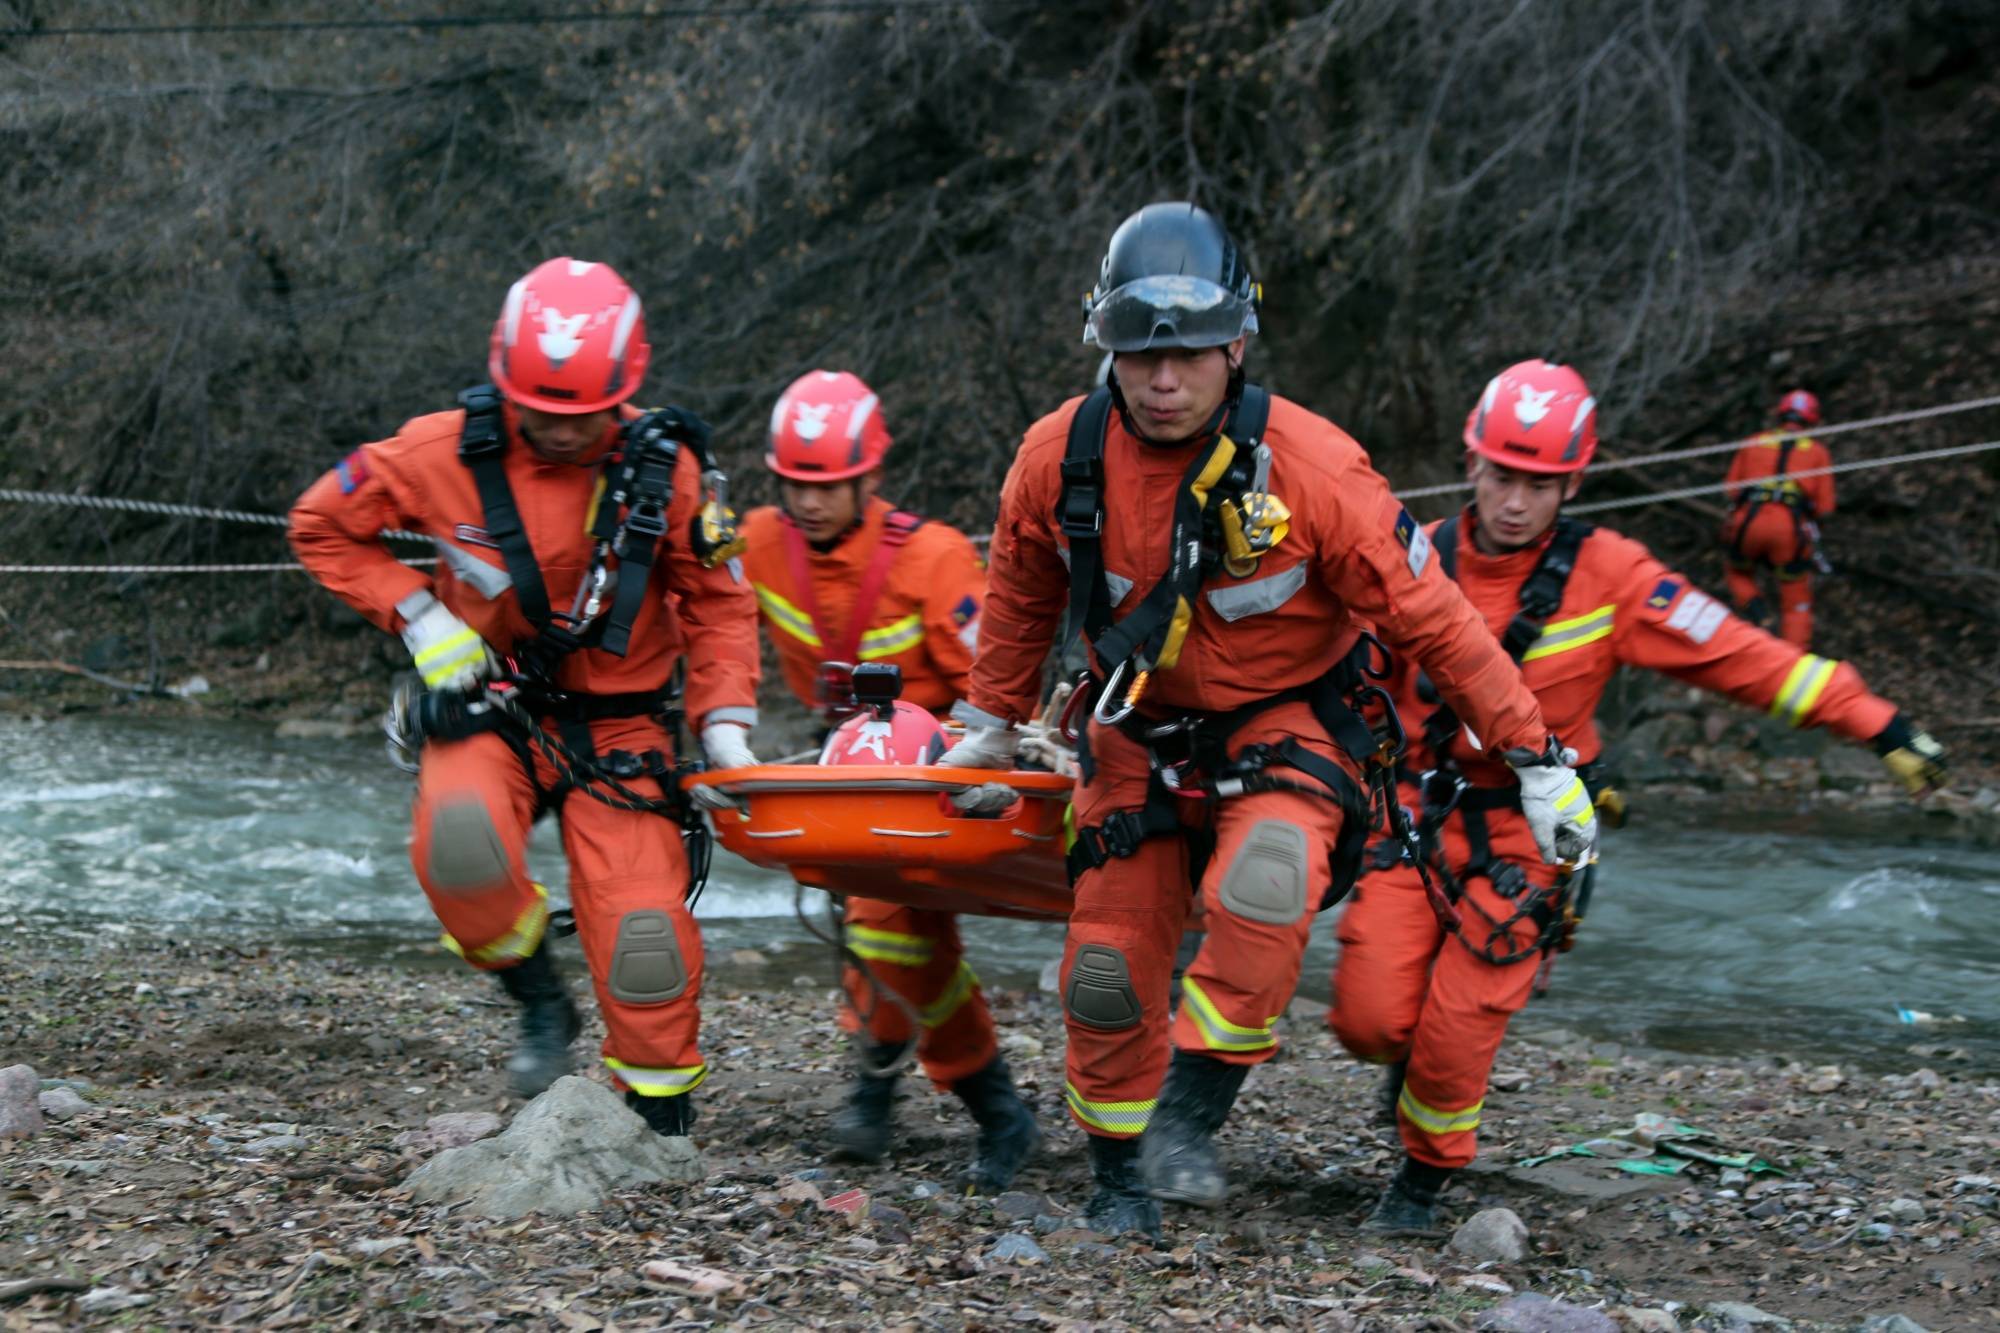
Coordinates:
1655 1166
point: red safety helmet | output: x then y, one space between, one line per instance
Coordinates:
910 735
1536 416
827 426
1799 406
570 338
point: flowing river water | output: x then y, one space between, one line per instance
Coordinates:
1798 934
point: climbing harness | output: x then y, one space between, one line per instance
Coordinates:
1225 521
834 688
1551 912
1778 489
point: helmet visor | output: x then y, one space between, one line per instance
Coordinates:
1168 310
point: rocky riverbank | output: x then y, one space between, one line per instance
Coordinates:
224 1137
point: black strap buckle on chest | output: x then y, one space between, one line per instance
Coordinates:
481 444
646 484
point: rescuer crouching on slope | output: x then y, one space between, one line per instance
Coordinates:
843 577
542 493
1217 546
1426 984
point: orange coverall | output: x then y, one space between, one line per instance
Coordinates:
1402 990
1770 525
926 621
1352 552
475 802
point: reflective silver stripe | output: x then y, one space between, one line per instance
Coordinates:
1233 601
1219 1032
1573 633
486 580
1115 1117
1116 585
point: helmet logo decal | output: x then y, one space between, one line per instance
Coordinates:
811 420
1533 406
874 738
558 336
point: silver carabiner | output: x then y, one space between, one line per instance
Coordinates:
1097 714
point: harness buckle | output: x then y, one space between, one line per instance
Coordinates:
481 435
1081 512
1508 879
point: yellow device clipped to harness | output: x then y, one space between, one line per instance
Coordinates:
715 537
1611 806
1254 522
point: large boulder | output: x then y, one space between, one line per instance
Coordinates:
565 1153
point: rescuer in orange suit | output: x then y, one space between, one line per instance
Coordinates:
1572 603
1775 523
843 577
518 489
1218 546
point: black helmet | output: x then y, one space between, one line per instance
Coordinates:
1171 278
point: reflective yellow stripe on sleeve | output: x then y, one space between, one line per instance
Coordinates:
1217 1032
518 942
658 1082
1111 1117
783 615
887 946
1433 1121
1802 688
1560 636
895 637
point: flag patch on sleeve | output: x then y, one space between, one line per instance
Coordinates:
352 471
1414 540
964 611
1664 593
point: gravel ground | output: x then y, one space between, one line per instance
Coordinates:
226 1156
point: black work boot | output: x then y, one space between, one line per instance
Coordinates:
1391 1093
669 1117
1409 1206
1008 1135
1177 1158
1119 1205
549 1022
863 1124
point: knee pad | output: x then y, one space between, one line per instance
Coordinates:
467 855
1267 879
646 965
1101 994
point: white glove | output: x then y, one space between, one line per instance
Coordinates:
1557 806
984 747
1044 746
447 652
727 745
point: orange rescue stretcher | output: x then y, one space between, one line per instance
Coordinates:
890 832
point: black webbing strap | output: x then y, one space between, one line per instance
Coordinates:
1540 597
1121 832
480 446
1194 550
647 481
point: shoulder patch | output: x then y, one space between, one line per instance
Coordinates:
1663 594
1698 616
1414 540
967 608
352 471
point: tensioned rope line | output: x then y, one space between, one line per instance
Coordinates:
1729 446
1718 487
550 18
170 569
76 501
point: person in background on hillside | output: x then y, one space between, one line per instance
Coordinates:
1775 523
1427 983
544 491
844 577
1219 547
